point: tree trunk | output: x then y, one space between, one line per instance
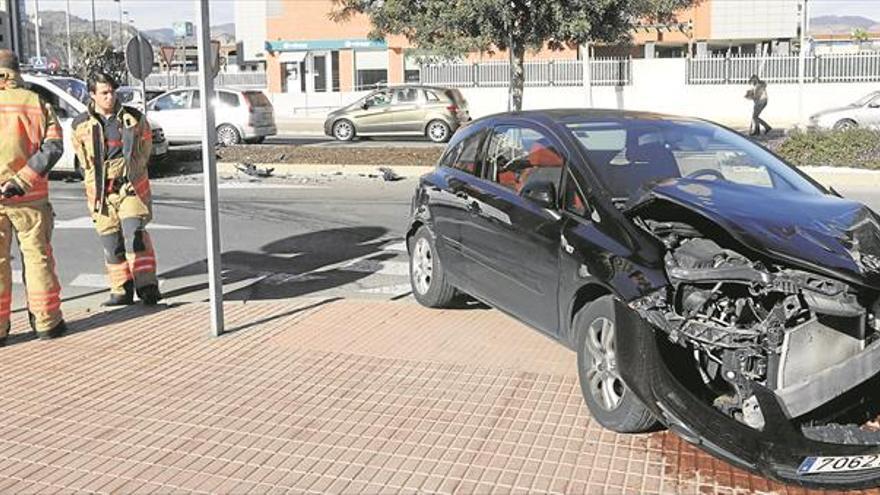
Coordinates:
517 74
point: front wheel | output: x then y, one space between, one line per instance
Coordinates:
438 131
228 135
845 125
608 398
426 274
343 130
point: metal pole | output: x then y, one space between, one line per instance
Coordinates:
121 27
69 42
94 25
587 60
37 27
802 62
209 139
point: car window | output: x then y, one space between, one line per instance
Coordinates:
228 99
61 108
380 99
465 155
630 154
518 155
573 199
431 97
195 100
406 95
173 101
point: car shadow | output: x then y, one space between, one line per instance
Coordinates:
294 266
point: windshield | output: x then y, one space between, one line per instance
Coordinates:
72 86
628 154
866 99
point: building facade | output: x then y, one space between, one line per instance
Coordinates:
305 52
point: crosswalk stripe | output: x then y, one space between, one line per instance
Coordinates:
399 247
91 280
395 289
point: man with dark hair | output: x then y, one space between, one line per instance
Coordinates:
30 146
113 144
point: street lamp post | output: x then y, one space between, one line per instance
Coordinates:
121 27
69 42
37 27
802 59
94 24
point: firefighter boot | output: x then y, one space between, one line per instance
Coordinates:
121 299
149 294
54 332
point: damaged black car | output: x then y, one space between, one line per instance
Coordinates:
706 285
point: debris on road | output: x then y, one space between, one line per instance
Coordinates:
253 170
389 175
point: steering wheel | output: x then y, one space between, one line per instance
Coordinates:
707 171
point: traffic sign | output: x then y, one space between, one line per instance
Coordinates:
167 53
139 57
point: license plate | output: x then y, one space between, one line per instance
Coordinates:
813 465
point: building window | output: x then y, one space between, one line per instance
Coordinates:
320 65
411 73
334 70
371 69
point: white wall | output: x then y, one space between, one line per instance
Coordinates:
660 87
754 19
250 28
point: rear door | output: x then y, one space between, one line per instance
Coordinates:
408 109
510 244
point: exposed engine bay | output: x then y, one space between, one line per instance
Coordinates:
750 322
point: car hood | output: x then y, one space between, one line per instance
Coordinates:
821 233
832 111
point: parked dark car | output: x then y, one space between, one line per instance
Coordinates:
705 284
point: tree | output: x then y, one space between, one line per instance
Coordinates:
455 27
860 36
94 53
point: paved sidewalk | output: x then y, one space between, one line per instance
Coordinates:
320 396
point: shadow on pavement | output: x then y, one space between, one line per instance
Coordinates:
292 312
293 266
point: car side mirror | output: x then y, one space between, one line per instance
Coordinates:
874 105
365 105
541 192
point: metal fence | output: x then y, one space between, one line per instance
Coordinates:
837 67
241 80
604 72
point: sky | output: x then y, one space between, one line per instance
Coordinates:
155 14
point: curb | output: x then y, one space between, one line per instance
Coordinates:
315 169
829 176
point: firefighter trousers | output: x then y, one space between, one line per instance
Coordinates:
128 250
32 223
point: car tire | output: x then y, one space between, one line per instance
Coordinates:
845 124
228 135
77 169
426 273
343 130
610 401
438 131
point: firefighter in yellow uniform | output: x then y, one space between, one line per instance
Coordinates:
113 145
30 145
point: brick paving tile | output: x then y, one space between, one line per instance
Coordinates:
344 396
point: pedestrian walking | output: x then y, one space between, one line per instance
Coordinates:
113 144
30 146
758 95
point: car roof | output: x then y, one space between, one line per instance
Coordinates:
566 115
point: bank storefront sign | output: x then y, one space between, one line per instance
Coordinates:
315 45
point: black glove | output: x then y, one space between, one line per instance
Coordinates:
11 189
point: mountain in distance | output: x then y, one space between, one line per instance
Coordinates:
165 36
842 24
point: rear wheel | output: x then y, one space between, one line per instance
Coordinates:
426 273
608 398
845 124
438 131
228 135
343 130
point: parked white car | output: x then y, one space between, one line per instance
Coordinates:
69 96
241 116
865 112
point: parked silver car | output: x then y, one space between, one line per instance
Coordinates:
242 116
865 113
69 97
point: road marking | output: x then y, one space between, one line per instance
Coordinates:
394 268
395 289
245 185
91 280
86 223
399 247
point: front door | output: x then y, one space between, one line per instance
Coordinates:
375 114
510 245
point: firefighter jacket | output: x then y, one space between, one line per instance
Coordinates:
31 140
90 144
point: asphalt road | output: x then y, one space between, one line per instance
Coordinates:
318 236
334 237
